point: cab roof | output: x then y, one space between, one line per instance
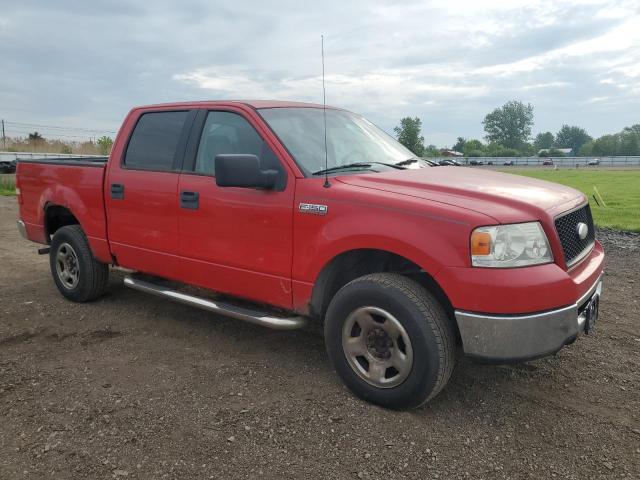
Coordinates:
256 104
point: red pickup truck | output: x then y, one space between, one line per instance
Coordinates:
241 208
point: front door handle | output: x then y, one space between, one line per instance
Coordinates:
189 200
117 191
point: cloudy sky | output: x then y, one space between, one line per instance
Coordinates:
83 64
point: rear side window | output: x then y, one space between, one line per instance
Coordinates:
153 144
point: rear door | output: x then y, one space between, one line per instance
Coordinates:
235 240
141 193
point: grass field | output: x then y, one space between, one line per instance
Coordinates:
7 185
620 190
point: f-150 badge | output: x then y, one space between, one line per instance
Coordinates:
313 208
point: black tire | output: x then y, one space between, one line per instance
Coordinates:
92 276
430 332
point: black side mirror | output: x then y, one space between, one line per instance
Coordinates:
241 170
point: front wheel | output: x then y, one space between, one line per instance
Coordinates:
76 273
390 340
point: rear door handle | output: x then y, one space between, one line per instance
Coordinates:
117 191
189 200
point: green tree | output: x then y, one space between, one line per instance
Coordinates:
475 147
509 125
431 151
35 137
459 145
104 145
606 145
629 144
586 150
505 152
409 134
543 140
630 140
571 137
553 152
633 129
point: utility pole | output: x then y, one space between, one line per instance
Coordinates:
4 141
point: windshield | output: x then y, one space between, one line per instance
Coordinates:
350 138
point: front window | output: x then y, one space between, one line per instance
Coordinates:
350 138
228 132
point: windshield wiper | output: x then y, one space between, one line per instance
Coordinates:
411 160
356 165
342 167
408 161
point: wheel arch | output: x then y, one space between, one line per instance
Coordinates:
351 264
55 217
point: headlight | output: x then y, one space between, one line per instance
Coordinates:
504 246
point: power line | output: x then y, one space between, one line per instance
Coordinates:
50 134
72 129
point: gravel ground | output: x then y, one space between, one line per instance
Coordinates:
131 386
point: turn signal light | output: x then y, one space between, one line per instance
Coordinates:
480 243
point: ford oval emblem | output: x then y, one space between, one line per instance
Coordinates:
583 230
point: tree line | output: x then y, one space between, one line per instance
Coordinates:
35 142
508 134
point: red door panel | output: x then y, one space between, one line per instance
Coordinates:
238 241
143 225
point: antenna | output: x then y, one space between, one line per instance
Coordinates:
324 114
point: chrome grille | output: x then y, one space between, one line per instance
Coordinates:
567 227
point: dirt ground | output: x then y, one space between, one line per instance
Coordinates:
131 386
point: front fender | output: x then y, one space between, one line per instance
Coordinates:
430 234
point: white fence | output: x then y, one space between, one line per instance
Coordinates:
564 162
10 156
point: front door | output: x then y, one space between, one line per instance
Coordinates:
235 240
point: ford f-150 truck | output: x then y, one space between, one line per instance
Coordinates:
243 208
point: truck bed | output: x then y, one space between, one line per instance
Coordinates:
75 184
89 161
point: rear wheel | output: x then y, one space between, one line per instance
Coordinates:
76 273
390 340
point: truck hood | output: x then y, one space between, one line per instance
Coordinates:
504 197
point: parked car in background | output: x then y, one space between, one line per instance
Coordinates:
508 163
430 162
548 162
593 162
447 162
476 162
8 166
400 263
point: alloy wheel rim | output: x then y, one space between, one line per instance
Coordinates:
377 347
67 266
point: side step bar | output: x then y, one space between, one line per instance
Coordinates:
240 313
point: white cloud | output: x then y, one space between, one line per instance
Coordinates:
544 85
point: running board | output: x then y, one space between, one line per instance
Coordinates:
241 313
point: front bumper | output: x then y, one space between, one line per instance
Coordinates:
509 338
